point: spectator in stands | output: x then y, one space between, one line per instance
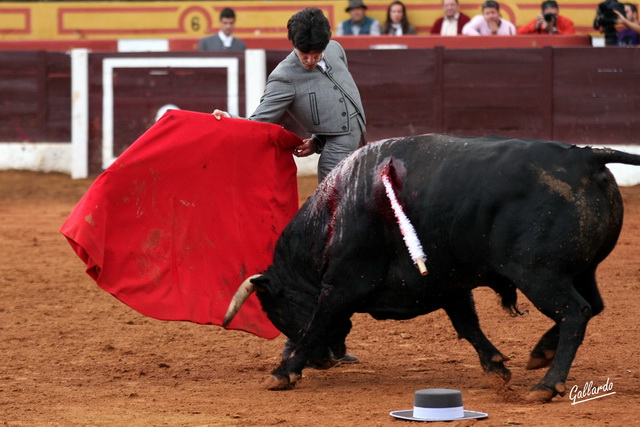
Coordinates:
549 21
453 20
397 23
360 23
489 23
224 40
629 36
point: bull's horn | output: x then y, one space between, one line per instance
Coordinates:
241 295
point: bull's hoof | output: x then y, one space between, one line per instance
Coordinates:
543 394
294 378
561 389
505 376
499 357
540 395
322 364
497 380
495 368
279 383
536 362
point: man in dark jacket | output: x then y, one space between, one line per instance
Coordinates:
359 24
452 22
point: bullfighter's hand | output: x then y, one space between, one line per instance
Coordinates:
307 148
218 114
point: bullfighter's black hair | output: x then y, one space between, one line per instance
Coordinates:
309 30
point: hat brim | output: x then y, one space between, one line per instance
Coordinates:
408 415
356 7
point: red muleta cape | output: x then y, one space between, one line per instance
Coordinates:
185 214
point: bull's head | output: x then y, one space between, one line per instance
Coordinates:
286 317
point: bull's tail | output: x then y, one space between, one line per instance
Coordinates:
602 156
409 234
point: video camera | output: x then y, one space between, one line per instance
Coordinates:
606 20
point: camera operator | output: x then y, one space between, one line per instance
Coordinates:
607 16
629 36
549 21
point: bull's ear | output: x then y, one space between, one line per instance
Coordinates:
261 282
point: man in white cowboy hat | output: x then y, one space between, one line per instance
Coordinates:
360 23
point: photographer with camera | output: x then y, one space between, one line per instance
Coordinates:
549 21
629 36
607 16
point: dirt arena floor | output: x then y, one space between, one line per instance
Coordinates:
72 355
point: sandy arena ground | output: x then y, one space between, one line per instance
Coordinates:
72 355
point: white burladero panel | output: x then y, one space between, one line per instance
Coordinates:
110 64
79 113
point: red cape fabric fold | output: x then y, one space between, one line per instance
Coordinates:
185 214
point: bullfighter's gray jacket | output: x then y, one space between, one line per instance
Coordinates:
320 101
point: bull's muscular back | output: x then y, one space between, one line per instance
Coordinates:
489 204
481 206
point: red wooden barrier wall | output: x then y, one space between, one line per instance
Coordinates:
35 96
573 94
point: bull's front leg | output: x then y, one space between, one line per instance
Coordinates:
289 372
460 308
322 358
325 330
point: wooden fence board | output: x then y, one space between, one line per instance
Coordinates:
573 94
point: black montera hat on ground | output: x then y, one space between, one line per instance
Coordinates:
353 4
437 404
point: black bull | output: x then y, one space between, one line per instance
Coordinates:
509 214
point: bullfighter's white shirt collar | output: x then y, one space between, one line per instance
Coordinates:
323 64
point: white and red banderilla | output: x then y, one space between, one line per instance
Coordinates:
407 229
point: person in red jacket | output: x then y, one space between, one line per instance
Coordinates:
452 22
549 21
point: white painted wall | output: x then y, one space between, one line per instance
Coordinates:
626 175
42 157
307 165
57 157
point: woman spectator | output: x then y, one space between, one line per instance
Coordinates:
397 23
